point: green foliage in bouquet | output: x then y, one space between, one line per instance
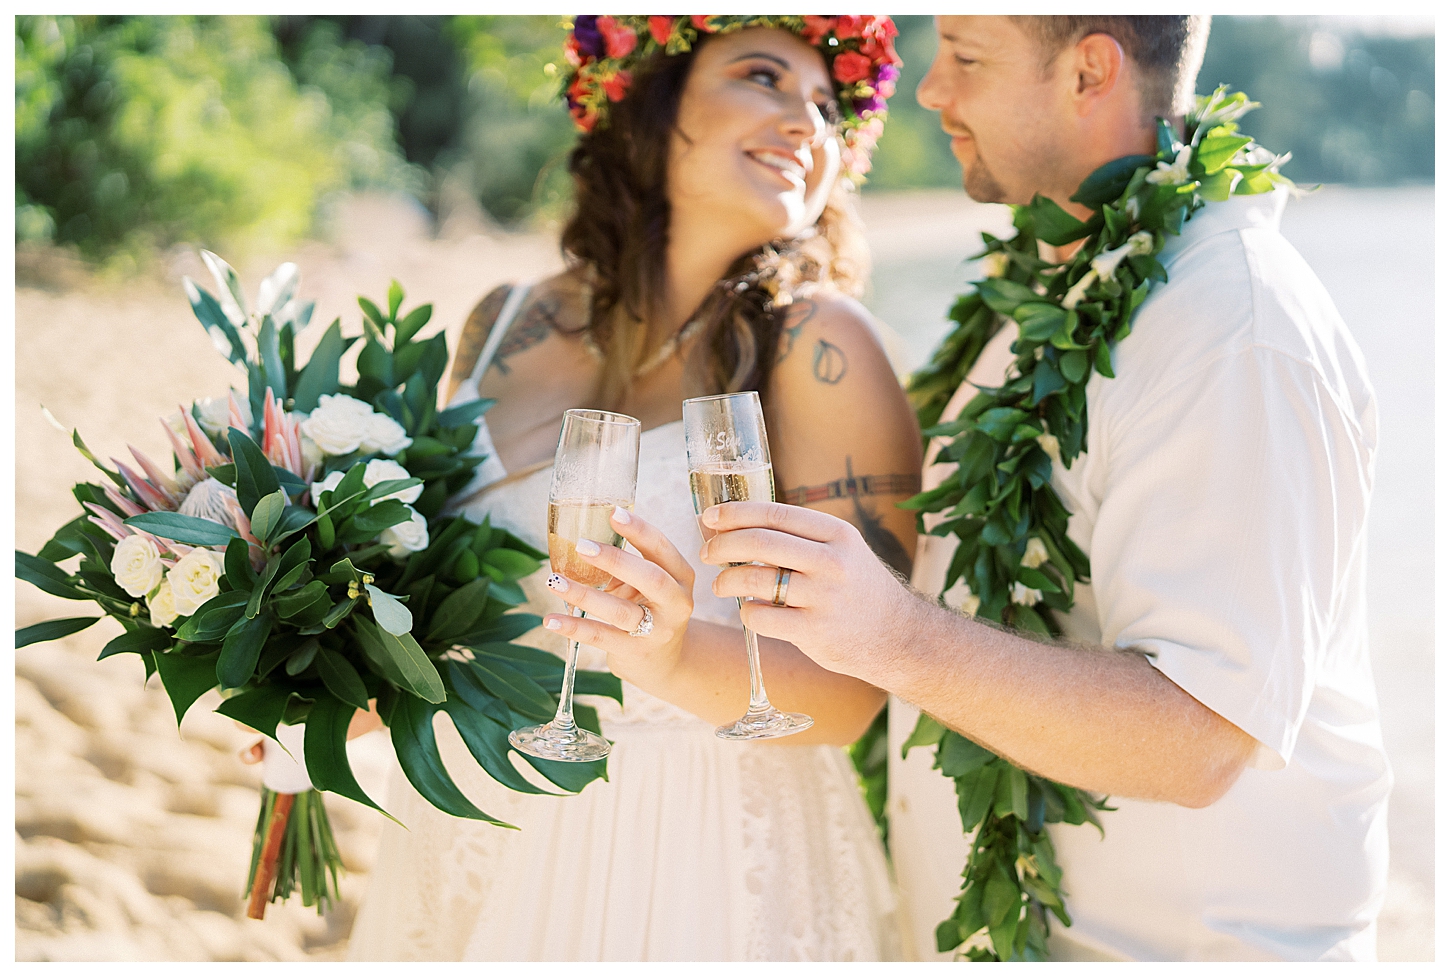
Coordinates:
297 557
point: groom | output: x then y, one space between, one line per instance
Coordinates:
1217 684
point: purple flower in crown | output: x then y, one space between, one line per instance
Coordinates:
874 103
886 76
588 37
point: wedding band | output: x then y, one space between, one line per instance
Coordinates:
782 584
646 624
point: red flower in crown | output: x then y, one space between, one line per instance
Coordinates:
848 26
618 39
617 85
851 67
660 29
817 28
702 23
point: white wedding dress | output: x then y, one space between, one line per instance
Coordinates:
695 848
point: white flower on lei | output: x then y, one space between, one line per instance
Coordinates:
340 423
381 470
1049 444
1079 290
195 580
136 565
1173 173
1024 595
1036 554
961 597
1107 263
385 435
406 537
996 264
162 605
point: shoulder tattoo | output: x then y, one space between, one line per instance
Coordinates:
535 322
828 362
797 314
475 332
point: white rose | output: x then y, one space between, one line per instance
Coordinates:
385 435
1022 594
1036 554
326 485
381 470
339 424
162 605
136 565
194 580
312 455
216 413
406 537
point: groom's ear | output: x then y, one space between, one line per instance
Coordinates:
1099 69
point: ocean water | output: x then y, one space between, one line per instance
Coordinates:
1384 286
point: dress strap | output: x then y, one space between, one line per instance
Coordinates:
506 317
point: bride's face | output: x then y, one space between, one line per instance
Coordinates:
755 151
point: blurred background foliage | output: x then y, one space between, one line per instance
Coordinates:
137 133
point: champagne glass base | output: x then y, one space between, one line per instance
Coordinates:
552 742
766 725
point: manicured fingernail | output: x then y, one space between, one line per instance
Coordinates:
551 624
705 553
558 583
621 515
711 517
587 547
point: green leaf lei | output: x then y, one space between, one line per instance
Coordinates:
1013 551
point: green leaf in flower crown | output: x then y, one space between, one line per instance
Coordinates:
411 724
320 375
488 742
186 678
324 748
1107 183
390 613
241 649
51 630
255 478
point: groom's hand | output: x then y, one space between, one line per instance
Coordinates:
842 603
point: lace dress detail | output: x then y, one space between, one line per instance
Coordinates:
694 849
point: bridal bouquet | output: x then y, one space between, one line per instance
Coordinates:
294 556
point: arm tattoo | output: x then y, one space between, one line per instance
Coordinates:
475 333
828 363
797 314
535 323
881 540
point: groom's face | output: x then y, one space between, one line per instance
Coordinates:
1003 110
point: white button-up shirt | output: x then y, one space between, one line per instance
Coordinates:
1222 502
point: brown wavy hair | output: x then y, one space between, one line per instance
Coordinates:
619 230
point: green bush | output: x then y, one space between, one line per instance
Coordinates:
136 133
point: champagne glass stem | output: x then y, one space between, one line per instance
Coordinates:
758 701
564 717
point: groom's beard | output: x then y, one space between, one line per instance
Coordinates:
981 185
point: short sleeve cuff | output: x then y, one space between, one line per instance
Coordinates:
1235 697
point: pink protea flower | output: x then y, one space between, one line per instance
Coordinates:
282 439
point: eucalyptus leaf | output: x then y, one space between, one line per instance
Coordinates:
183 529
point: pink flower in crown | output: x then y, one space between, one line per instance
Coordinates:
619 40
660 28
571 51
849 26
617 85
851 67
817 28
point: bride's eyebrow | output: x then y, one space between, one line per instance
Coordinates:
768 57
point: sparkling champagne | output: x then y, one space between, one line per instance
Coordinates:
570 521
728 483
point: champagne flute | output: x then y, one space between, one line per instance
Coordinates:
595 469
729 461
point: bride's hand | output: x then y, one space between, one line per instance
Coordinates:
660 579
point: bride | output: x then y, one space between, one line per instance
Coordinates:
713 248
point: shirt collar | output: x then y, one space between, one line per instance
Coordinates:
1236 213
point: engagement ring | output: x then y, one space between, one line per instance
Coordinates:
646 624
782 584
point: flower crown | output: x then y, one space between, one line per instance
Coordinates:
603 52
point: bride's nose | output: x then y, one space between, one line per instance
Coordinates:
802 120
